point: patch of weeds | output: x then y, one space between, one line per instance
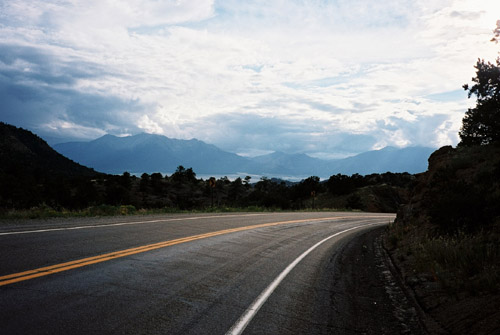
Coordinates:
102 210
127 209
398 234
467 262
42 211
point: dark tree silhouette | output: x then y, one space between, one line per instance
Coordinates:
481 124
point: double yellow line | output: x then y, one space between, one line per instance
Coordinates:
47 270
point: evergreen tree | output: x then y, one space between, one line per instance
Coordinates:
481 124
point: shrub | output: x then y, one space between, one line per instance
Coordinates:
127 209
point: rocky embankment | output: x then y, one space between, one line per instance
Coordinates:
445 244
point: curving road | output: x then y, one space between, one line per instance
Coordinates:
264 273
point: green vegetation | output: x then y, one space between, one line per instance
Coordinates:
463 262
44 212
182 191
463 191
481 124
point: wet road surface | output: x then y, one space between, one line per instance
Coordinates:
177 274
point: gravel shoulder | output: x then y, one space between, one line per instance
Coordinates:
368 298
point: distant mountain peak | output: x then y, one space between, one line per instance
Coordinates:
157 153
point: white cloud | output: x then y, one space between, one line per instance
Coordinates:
62 129
358 66
149 126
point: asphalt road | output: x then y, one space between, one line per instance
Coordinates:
257 273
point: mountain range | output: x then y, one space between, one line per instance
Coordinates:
148 153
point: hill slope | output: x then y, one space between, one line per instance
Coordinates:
32 172
21 151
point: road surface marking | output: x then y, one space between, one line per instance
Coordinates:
120 224
47 270
138 222
251 311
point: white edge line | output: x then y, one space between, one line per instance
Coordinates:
251 311
119 224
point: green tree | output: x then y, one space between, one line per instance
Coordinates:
246 182
481 124
340 184
186 189
157 183
126 180
144 183
237 191
183 175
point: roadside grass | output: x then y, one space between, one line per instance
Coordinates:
469 262
45 212
462 262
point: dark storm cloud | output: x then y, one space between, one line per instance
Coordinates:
38 92
36 107
23 63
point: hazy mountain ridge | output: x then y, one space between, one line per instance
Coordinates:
410 159
279 162
156 153
150 153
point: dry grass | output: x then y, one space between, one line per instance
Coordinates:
459 263
469 262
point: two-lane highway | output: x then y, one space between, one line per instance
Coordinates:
179 274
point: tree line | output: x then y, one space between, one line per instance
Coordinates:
182 190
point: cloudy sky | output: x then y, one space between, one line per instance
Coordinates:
327 78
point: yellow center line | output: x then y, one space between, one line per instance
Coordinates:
47 270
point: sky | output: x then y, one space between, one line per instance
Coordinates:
326 78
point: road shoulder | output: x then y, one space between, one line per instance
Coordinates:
368 298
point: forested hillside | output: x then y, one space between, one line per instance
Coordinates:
32 172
